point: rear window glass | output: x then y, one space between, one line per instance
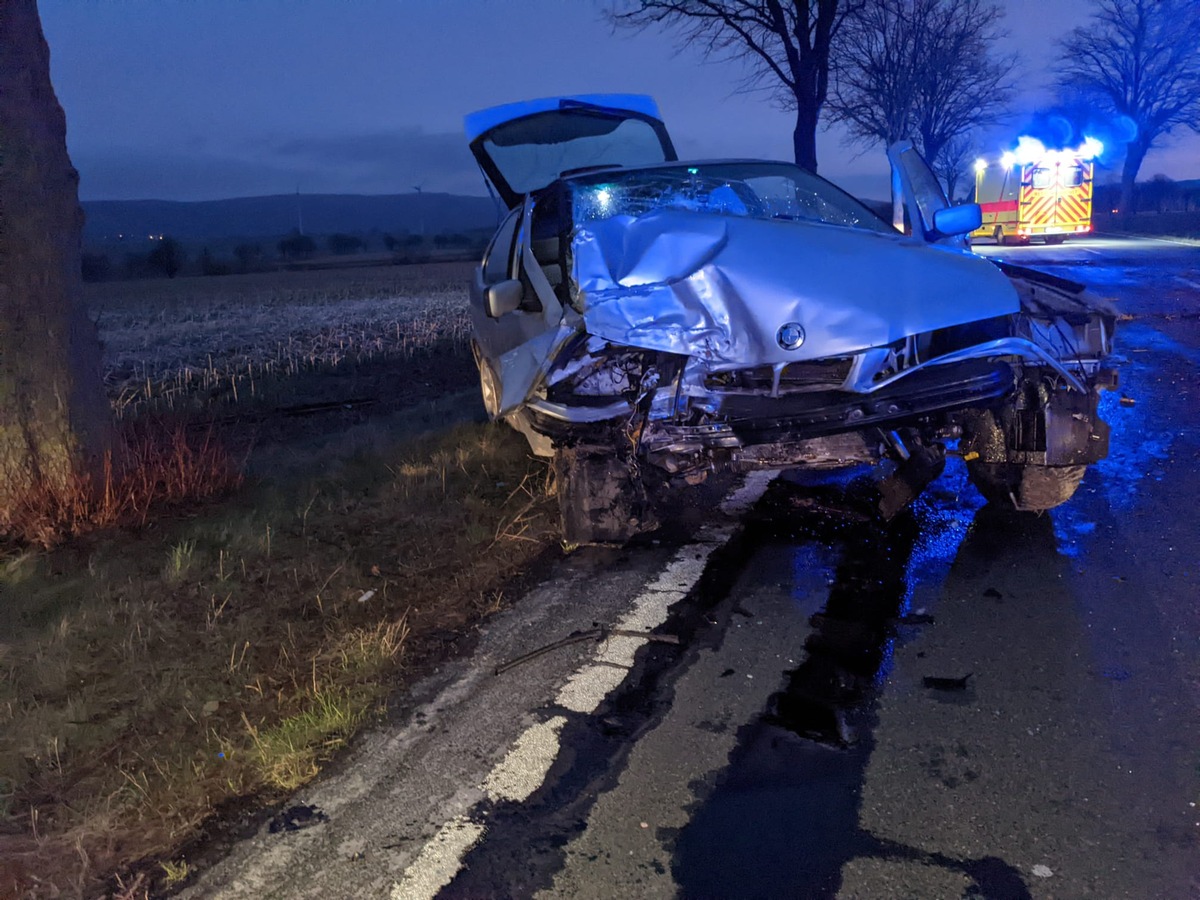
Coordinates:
532 152
1070 176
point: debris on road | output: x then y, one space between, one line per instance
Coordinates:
813 505
297 818
946 684
592 634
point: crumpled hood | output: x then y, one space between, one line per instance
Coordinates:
719 287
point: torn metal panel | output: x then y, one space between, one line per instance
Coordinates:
525 365
721 288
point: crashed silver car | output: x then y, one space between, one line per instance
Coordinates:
646 321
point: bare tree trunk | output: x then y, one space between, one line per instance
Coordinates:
54 419
804 139
1135 152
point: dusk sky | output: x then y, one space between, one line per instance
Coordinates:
205 99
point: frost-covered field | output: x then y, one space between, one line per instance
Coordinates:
187 341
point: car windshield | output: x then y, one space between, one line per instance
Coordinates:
754 190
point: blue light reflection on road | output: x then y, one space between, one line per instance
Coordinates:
1138 444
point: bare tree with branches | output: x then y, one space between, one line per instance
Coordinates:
1139 59
950 164
921 69
785 44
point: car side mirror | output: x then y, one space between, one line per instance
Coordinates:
503 297
958 219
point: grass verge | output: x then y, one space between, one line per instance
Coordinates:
149 677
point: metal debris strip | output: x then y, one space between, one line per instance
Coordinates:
597 634
813 505
946 684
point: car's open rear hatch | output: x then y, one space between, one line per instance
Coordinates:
523 147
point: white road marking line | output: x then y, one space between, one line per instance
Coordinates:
586 689
524 768
1183 242
439 860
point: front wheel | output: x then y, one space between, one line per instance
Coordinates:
601 497
1025 486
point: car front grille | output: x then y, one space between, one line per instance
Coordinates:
816 373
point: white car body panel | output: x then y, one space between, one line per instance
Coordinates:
719 287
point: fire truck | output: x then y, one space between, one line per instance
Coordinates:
1034 192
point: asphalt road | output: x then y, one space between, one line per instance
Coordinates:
966 703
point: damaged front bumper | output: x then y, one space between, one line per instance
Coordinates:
679 416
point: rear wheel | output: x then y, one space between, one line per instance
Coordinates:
1055 238
601 497
999 236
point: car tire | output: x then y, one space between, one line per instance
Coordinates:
489 384
601 498
1025 486
1056 238
999 236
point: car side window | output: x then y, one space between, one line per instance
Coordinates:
498 261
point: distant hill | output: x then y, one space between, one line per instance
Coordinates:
256 217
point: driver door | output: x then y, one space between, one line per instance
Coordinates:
514 348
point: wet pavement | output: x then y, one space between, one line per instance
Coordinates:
984 704
963 703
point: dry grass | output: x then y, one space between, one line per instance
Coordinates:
151 468
149 675
145 679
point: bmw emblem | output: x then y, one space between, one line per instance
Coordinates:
790 336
